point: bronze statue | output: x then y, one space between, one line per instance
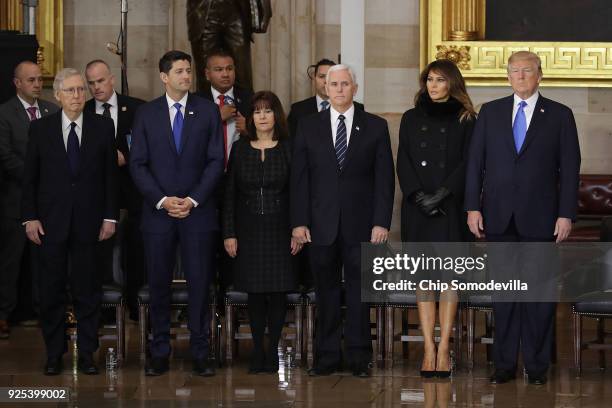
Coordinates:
227 24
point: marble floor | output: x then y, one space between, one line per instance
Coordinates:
22 359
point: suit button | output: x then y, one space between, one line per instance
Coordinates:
442 130
423 128
423 144
423 163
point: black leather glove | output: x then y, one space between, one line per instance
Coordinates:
429 204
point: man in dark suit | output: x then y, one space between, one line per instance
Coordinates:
524 161
234 101
15 117
176 162
121 109
342 185
316 103
69 203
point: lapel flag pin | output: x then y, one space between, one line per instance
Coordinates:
46 110
191 112
123 108
542 110
356 127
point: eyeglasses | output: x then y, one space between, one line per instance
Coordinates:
72 91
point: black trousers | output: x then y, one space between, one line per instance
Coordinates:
56 260
266 309
326 262
134 259
12 234
525 325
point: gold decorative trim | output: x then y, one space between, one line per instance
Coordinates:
50 35
565 64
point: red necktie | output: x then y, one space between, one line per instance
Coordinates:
221 104
32 112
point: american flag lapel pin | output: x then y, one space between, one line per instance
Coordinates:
191 112
356 127
542 110
124 109
46 110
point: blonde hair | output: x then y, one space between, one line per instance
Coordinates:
525 55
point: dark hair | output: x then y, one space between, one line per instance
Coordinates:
165 62
456 85
267 99
311 71
218 52
97 61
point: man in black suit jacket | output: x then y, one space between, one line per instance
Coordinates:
121 109
524 161
15 117
316 103
342 185
69 203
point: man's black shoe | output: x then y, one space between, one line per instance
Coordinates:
204 367
53 366
362 371
156 366
86 365
501 377
321 371
537 379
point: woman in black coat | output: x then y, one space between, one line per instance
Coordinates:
256 227
433 144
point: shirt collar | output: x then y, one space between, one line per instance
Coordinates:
26 105
319 100
215 93
112 101
531 101
171 101
66 122
348 114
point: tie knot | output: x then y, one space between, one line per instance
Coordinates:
522 104
324 105
106 105
72 125
221 98
341 118
177 106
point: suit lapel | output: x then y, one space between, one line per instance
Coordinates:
20 111
537 118
508 106
57 140
86 140
190 114
123 116
164 122
44 109
313 108
356 135
326 134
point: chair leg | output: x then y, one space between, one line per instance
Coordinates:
601 338
380 324
470 338
298 333
578 344
389 336
142 326
489 333
120 319
405 332
310 322
229 334
553 349
213 331
458 335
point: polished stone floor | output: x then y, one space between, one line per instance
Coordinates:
22 358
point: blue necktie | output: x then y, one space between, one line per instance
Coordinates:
519 129
324 105
177 126
341 141
72 149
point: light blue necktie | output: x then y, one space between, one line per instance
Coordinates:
177 126
341 141
324 105
519 129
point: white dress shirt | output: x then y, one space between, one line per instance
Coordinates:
319 100
114 109
348 122
172 111
232 133
27 105
528 109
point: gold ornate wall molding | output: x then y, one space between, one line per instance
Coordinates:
49 31
567 64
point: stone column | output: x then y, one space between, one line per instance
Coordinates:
352 39
465 18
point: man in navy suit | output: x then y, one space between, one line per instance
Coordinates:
524 162
176 162
69 203
342 185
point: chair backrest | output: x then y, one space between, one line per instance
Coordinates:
595 195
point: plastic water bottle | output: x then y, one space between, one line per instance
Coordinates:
111 360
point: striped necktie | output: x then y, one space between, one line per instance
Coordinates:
341 144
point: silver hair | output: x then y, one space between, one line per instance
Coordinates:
525 55
341 67
58 82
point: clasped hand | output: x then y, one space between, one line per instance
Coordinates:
177 207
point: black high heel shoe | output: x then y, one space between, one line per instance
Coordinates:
429 373
446 374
